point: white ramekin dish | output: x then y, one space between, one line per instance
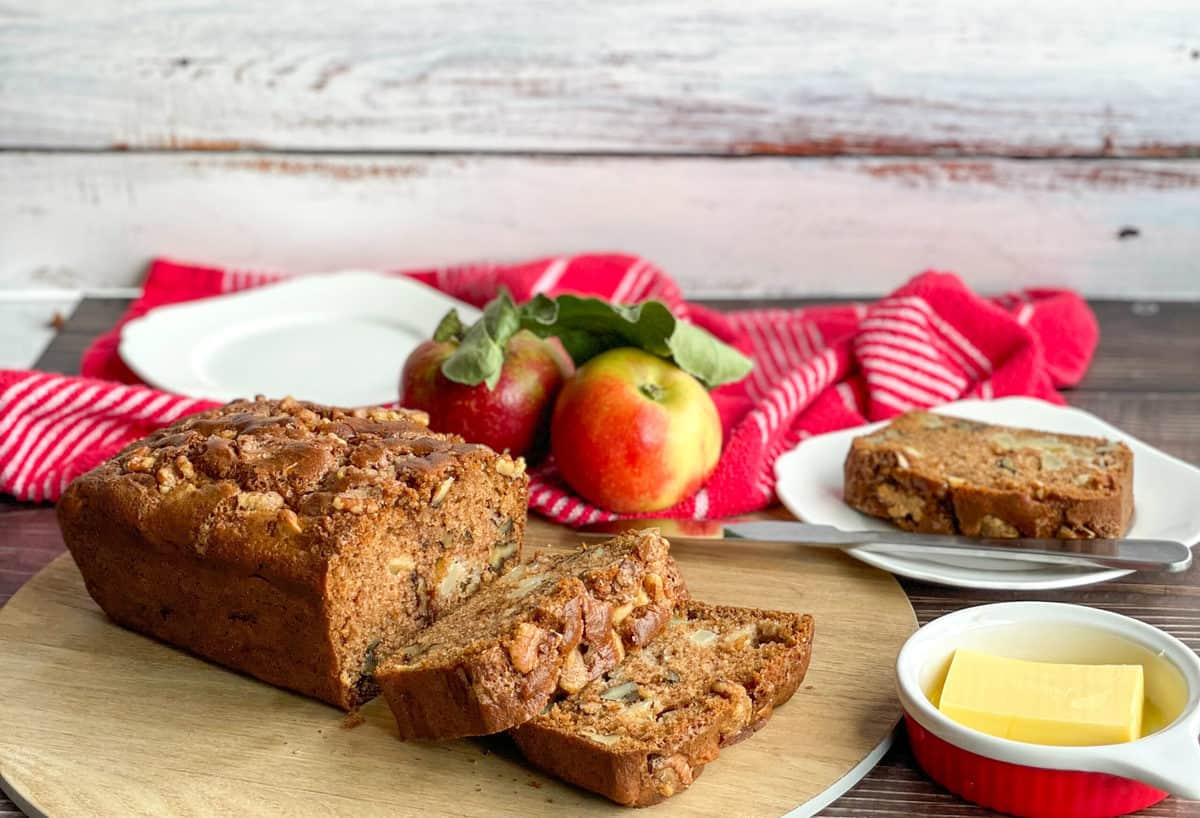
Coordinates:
1037 780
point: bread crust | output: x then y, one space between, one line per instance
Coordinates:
906 474
292 541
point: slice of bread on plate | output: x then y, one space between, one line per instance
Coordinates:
939 474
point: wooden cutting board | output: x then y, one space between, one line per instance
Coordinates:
98 720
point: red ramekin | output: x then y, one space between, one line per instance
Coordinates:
1040 781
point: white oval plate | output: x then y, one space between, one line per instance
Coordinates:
338 339
1164 489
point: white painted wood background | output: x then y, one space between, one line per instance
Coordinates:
1100 77
723 226
1016 142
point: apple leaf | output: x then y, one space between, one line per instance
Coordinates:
450 328
700 353
586 327
480 354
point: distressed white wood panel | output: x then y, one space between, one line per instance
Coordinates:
1100 77
721 226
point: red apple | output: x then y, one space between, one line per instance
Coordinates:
633 432
513 415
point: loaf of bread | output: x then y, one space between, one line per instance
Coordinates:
643 731
294 542
944 475
547 627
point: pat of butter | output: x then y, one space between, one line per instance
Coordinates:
1042 702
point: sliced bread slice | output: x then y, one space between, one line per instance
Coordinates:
643 731
945 475
546 627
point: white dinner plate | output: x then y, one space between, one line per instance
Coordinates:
1165 491
338 339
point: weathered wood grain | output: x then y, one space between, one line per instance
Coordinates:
816 78
789 226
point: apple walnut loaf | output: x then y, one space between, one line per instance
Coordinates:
945 475
549 626
643 731
292 541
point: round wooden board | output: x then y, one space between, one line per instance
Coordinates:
98 720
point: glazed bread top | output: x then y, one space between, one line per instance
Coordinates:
280 487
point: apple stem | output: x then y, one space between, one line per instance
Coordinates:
651 390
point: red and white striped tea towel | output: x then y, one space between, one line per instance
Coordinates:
817 369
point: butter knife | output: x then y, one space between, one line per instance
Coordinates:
1129 555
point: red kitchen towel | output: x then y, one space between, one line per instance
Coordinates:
817 369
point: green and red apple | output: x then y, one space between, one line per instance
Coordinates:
632 432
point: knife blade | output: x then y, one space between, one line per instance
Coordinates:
1132 555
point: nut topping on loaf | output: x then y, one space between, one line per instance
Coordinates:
643 731
293 541
946 475
547 627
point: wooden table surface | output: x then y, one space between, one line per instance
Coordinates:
1145 379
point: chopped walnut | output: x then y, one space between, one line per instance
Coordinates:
500 554
443 489
354 504
626 692
605 739
139 463
573 675
523 649
401 564
259 501
509 467
742 637
166 479
991 526
653 584
289 520
380 414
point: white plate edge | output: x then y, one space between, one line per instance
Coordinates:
135 331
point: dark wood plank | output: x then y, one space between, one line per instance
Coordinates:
92 317
1167 420
1144 379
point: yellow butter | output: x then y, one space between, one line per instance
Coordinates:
1042 702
